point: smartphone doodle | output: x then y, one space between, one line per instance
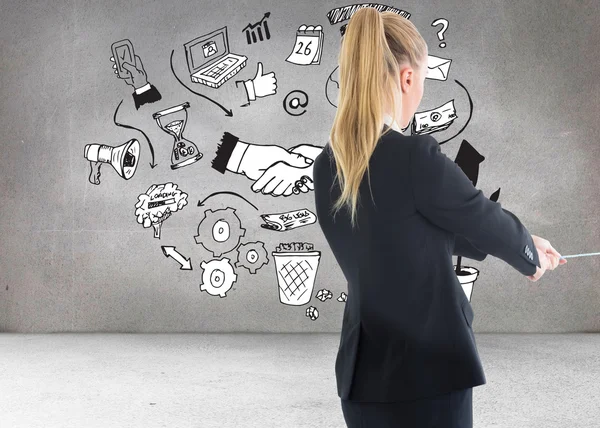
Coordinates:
123 52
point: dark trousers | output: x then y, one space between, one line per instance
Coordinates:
451 410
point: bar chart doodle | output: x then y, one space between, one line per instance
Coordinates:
259 31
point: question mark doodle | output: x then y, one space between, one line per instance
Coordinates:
440 33
292 101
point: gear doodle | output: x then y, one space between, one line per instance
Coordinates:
220 231
217 277
252 256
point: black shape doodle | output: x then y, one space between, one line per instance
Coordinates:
201 203
277 171
124 159
227 112
252 30
220 231
344 13
332 87
158 204
261 85
209 60
440 34
285 221
468 159
296 264
184 152
294 102
152 164
129 68
252 256
217 277
170 251
308 46
468 119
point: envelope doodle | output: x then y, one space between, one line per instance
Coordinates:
437 68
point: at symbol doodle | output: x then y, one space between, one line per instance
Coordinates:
292 102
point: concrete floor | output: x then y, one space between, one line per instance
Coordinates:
273 380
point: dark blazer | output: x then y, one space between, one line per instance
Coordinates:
406 330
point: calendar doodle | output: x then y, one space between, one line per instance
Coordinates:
308 47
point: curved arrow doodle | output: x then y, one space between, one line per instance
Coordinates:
200 203
470 114
152 164
227 112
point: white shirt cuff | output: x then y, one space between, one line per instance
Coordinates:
235 160
142 89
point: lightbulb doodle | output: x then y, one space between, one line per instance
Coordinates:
295 100
158 204
275 171
129 68
308 46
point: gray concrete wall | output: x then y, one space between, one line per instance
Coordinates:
73 256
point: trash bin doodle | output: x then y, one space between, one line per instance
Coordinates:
296 265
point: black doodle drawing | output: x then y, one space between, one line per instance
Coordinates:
124 159
152 163
324 294
332 87
217 277
344 13
259 31
275 170
220 231
228 112
312 313
184 262
440 34
434 120
201 203
468 160
342 297
262 85
252 256
184 151
209 61
437 67
285 221
296 265
468 119
294 101
158 204
128 67
308 46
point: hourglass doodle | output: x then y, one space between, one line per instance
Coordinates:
184 151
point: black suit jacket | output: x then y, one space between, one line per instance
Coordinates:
406 330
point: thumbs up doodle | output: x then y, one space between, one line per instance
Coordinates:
262 85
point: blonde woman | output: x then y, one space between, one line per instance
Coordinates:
394 209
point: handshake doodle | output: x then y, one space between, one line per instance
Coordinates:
275 171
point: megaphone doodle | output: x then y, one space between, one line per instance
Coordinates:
124 158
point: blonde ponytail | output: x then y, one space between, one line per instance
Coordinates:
373 47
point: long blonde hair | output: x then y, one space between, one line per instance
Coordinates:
373 48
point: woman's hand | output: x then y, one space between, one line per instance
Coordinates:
549 257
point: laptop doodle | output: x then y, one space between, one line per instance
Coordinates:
209 60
